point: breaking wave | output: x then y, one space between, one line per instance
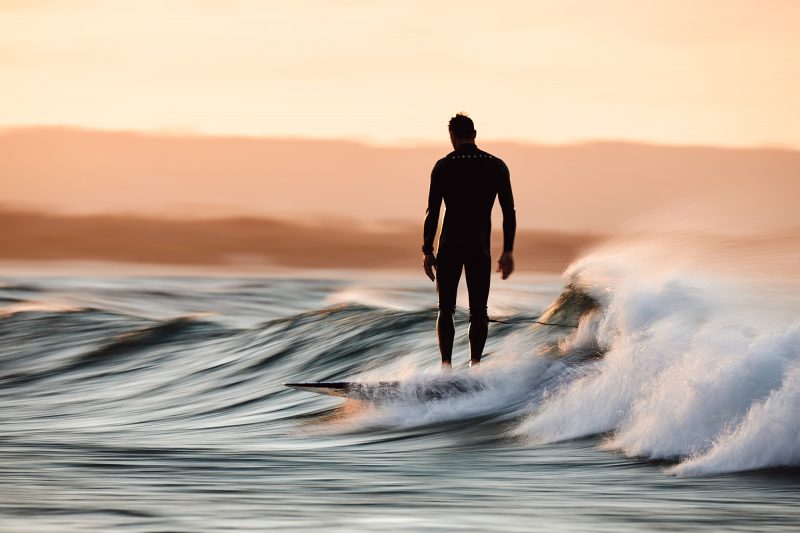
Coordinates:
700 367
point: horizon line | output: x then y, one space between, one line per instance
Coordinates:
317 220
371 142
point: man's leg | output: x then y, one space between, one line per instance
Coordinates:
446 330
478 271
448 274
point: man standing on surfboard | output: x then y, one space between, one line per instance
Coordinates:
468 180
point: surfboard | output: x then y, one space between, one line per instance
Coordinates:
383 391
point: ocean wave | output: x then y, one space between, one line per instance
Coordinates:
701 371
672 364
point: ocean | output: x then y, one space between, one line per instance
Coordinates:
155 403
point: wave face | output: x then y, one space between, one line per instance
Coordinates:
159 403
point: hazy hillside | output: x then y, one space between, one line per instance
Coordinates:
587 187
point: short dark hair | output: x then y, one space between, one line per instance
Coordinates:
462 126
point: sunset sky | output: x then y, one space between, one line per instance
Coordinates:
707 72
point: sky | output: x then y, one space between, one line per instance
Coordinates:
710 72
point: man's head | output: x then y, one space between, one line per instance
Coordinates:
462 130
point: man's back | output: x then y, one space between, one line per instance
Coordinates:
468 180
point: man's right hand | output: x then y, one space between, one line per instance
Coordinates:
505 265
429 264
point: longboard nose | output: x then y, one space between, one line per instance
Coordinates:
330 389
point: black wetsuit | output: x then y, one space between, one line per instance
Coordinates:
468 180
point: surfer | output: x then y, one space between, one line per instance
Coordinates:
468 180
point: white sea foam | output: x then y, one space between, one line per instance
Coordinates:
499 387
702 364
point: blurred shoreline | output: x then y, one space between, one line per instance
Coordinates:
72 243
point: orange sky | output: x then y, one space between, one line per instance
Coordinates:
719 72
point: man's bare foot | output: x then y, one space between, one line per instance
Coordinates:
447 365
474 362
